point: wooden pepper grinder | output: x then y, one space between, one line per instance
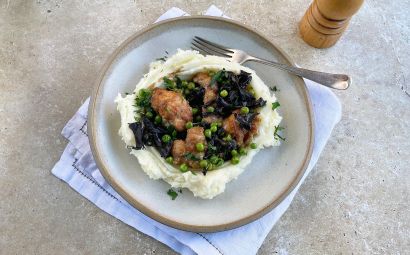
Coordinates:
325 21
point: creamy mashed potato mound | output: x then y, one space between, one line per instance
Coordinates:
186 63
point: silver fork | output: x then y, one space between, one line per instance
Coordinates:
334 81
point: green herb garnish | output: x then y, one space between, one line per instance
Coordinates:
276 135
143 99
179 82
274 89
190 156
169 84
275 105
217 77
172 194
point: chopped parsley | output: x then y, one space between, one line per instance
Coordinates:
275 105
217 77
274 88
169 84
172 194
164 58
191 156
276 135
143 100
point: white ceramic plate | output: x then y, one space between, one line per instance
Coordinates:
273 173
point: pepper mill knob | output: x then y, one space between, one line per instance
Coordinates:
325 21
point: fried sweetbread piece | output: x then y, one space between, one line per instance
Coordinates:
172 107
241 135
211 92
232 127
211 118
186 151
178 151
253 131
194 136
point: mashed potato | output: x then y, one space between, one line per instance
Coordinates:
186 64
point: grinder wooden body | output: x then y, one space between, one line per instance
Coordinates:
325 21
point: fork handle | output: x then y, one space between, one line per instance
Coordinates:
334 81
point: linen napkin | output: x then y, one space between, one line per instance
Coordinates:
77 168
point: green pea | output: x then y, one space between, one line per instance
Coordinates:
244 110
214 159
250 90
189 125
235 160
174 134
208 133
149 115
184 84
214 124
228 138
242 151
200 147
158 119
191 85
195 111
234 153
170 160
210 167
166 138
254 145
223 93
203 163
187 91
183 168
214 129
210 109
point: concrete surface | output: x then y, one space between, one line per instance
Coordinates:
356 201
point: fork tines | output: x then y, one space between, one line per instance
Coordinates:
209 47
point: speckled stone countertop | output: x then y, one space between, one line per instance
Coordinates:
355 201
